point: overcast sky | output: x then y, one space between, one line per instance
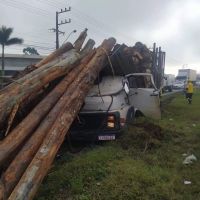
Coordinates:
172 24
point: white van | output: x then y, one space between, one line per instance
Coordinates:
115 102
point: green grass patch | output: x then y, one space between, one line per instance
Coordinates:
145 163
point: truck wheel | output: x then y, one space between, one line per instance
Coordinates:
130 115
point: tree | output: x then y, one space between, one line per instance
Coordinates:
30 51
5 40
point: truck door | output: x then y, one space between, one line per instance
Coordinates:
143 94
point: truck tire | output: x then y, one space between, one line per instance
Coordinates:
130 115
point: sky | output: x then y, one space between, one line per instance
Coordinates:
172 24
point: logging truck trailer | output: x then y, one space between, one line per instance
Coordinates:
113 103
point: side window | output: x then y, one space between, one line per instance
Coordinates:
136 82
140 82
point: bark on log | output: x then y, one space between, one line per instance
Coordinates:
45 64
17 167
28 185
59 52
79 42
89 45
51 145
50 58
64 48
35 83
25 128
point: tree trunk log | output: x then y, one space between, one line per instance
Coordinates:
16 93
35 83
41 162
26 127
79 42
25 155
58 52
87 48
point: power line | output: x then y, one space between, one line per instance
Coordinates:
29 7
36 46
97 30
48 3
37 36
91 20
40 43
101 24
25 9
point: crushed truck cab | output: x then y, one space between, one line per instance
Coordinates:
113 103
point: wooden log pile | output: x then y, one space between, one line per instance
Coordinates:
130 59
62 81
137 59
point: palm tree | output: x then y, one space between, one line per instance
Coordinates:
5 40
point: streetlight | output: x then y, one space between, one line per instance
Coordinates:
74 31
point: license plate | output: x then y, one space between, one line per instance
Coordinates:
106 137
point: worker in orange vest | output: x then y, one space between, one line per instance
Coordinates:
189 91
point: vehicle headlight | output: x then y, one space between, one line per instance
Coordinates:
111 121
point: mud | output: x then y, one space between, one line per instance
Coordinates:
154 130
142 137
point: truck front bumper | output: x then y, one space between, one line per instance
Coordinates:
94 127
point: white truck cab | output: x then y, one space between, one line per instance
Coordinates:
113 103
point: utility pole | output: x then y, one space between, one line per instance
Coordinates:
59 24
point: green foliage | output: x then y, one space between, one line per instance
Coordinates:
30 51
128 169
5 40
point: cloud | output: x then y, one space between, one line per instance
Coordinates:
172 24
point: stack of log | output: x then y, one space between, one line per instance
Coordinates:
55 90
130 59
137 59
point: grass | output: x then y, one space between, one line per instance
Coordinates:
145 163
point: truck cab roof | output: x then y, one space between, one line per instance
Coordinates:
108 85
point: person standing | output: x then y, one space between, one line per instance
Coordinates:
189 91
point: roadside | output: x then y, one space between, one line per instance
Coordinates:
146 162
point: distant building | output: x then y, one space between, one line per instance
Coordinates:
17 62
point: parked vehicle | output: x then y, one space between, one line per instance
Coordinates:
198 84
179 84
113 103
169 80
187 74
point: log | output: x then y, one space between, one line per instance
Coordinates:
87 48
26 127
50 146
79 42
53 58
35 83
59 58
18 82
33 176
50 58
17 167
58 52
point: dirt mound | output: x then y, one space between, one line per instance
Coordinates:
142 136
154 130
